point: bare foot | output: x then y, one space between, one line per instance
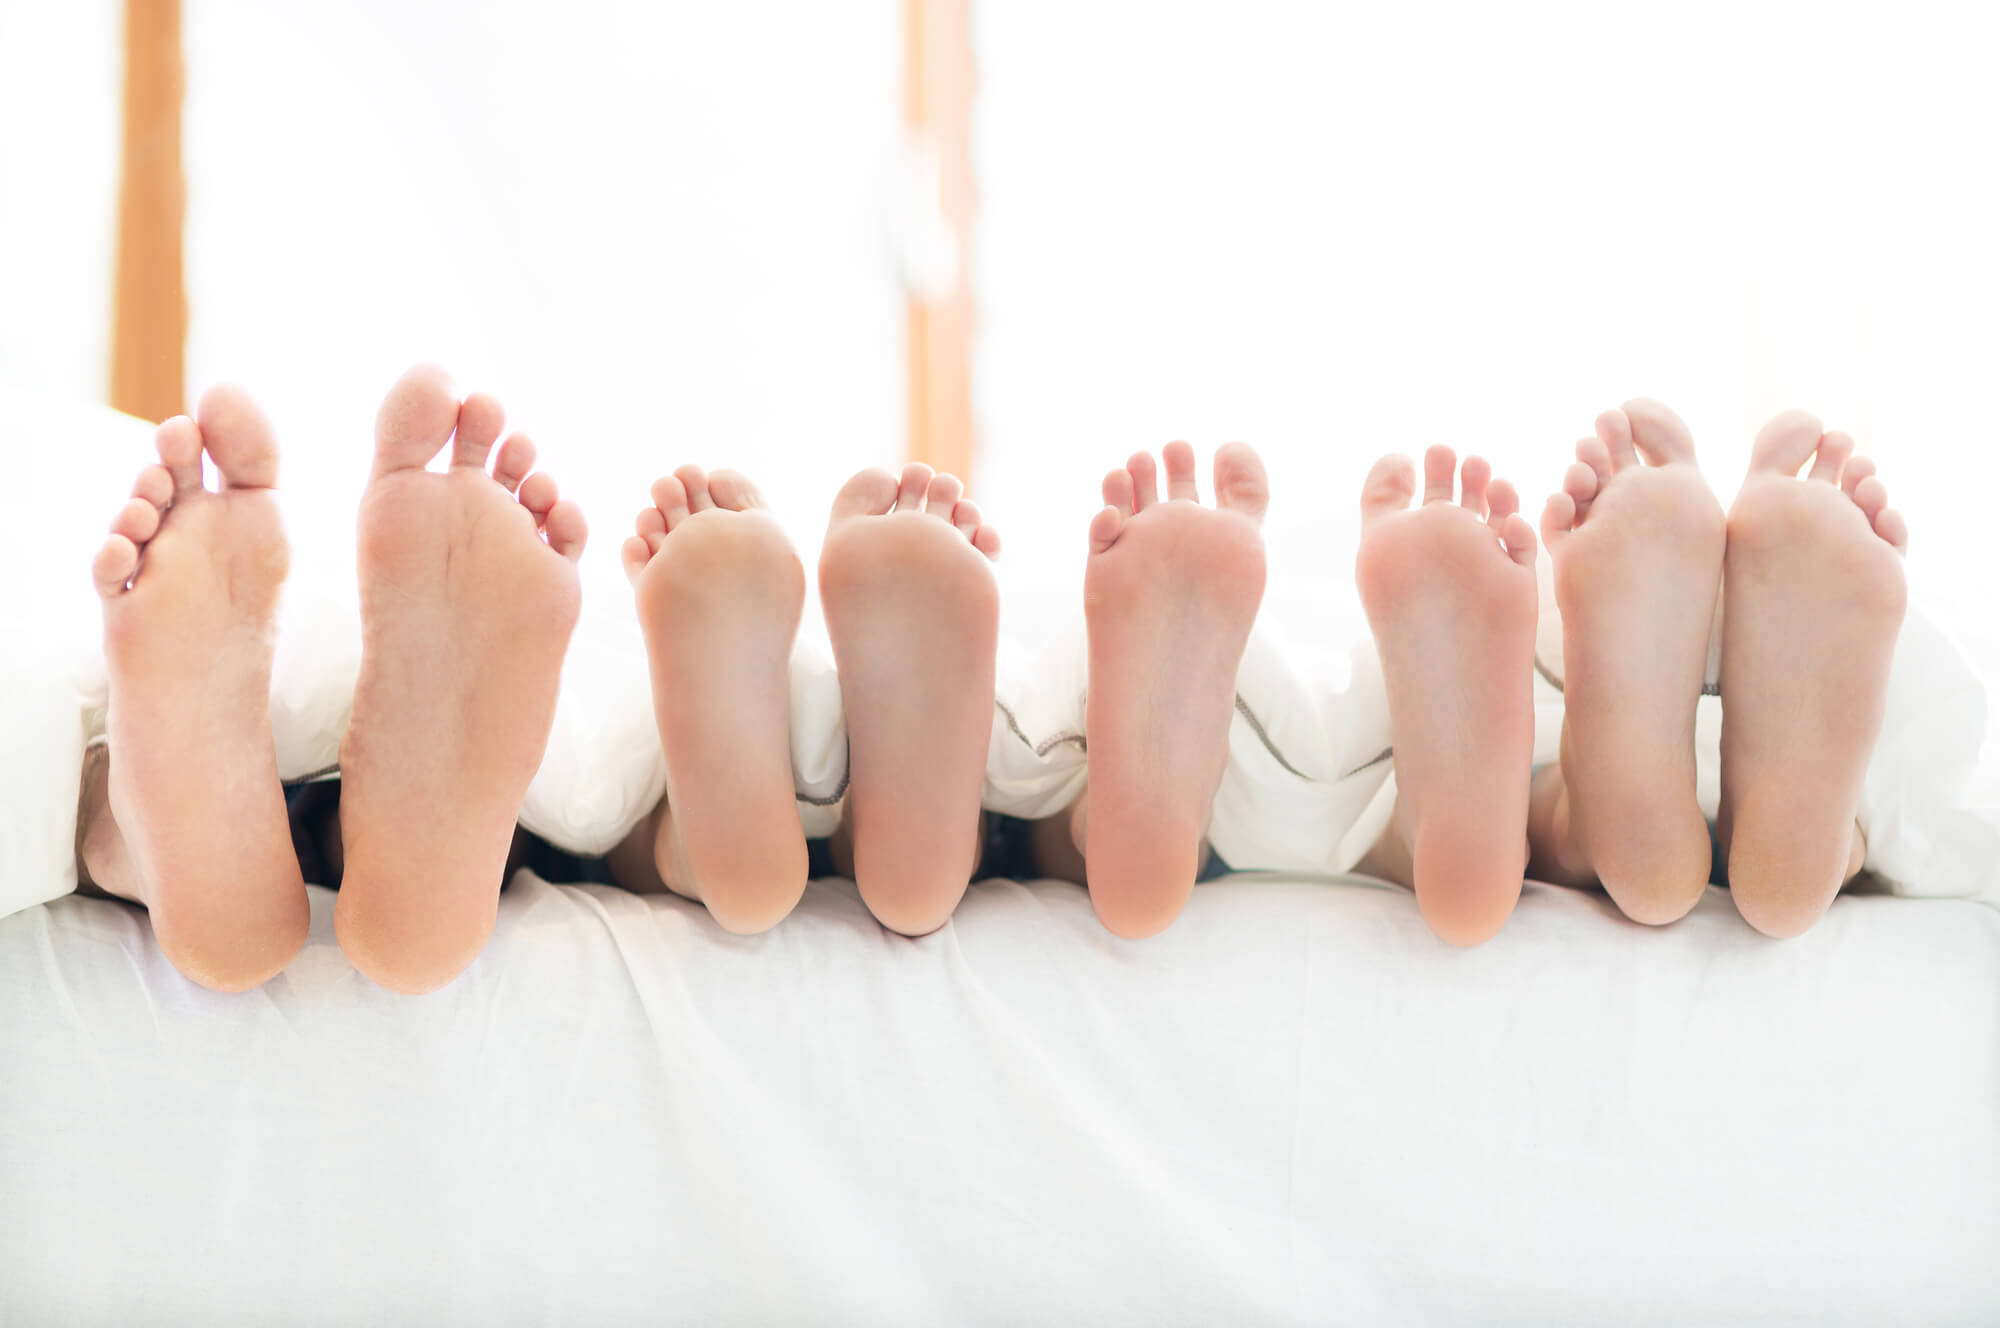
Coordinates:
914 616
468 597
1450 595
1813 599
719 593
1637 553
190 582
1169 595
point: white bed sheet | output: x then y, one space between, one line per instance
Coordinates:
1294 1106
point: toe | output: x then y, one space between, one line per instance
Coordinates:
179 444
1856 470
1502 501
733 491
137 521
1104 528
870 493
670 499
1593 453
1390 485
1889 524
1558 518
1440 464
694 481
1519 537
567 530
987 540
538 494
416 420
943 495
1660 434
1473 477
1145 480
1118 492
1179 459
1871 496
633 555
515 460
1783 445
653 524
1614 430
1240 485
1834 450
915 482
111 570
238 435
155 485
480 420
965 515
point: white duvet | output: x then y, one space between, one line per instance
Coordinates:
1307 788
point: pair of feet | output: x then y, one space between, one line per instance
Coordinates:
1805 579
913 614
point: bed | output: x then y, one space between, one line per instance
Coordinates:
1294 1106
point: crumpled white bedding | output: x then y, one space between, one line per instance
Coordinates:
1295 1106
1308 786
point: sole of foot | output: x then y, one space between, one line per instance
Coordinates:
1636 550
190 581
1813 599
1449 590
469 593
914 616
1170 592
719 591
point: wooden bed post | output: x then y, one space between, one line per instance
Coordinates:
937 112
149 313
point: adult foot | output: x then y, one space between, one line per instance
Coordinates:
1169 595
914 614
1813 598
719 591
1637 555
190 581
468 596
1449 589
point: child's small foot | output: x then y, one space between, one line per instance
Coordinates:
1813 599
719 593
1170 592
190 584
1450 594
468 596
914 616
1637 554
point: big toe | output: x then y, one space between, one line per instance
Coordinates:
1240 485
416 419
237 433
1783 445
1660 435
1389 487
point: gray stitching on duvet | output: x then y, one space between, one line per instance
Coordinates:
1042 748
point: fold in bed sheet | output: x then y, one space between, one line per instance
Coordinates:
1294 1106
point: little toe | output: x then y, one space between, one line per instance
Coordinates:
566 529
1889 524
965 516
1834 450
871 492
987 540
538 494
515 459
1519 537
238 435
1856 470
733 491
633 555
1240 483
1105 527
694 480
1871 496
910 490
1614 430
1145 481
1783 445
416 419
1558 518
1390 485
1440 465
1473 477
1118 492
1502 501
154 485
942 497
670 499
1660 434
113 567
178 441
480 420
1181 485
137 521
